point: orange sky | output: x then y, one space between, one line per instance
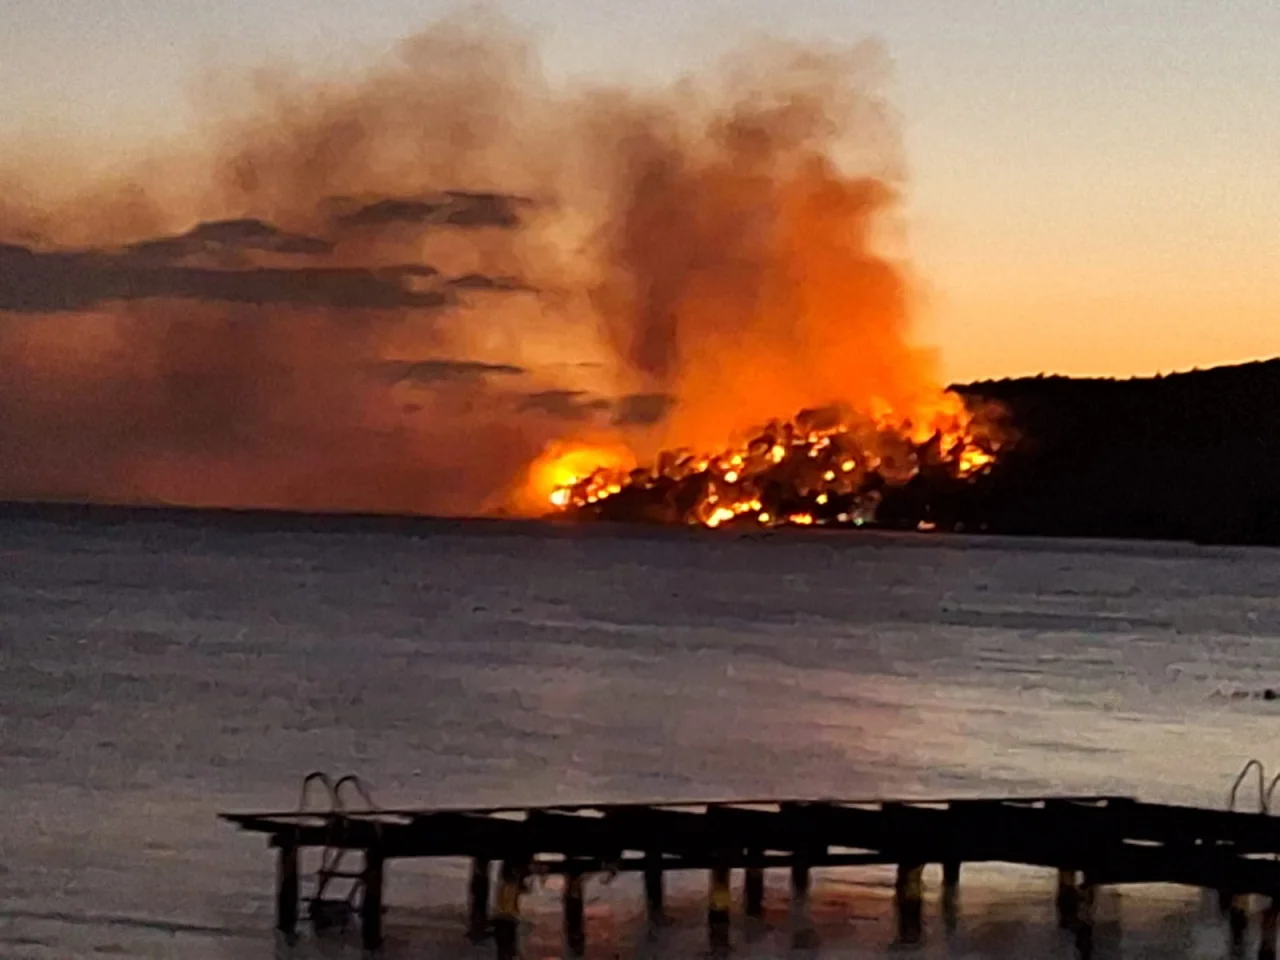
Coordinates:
1092 187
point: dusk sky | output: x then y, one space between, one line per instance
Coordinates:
1092 187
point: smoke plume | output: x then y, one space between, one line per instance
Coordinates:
392 291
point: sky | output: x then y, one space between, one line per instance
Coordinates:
1092 185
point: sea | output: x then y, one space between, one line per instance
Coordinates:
155 673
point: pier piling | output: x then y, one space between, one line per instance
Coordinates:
506 912
653 887
1068 898
1267 930
478 900
718 907
909 898
800 878
753 888
1238 921
1082 925
287 887
950 893
803 936
575 932
371 904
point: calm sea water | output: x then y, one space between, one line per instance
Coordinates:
152 675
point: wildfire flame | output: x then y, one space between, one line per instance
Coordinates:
820 468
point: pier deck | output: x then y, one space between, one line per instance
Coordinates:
1089 840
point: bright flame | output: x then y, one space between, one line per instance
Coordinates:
554 476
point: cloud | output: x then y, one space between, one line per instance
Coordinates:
453 208
480 281
632 410
436 371
564 404
34 281
230 236
642 409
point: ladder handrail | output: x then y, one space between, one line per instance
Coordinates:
322 778
1271 789
1263 793
360 787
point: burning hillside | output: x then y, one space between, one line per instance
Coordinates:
824 467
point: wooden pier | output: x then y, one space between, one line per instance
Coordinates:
1089 841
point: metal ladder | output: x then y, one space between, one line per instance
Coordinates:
330 905
1266 789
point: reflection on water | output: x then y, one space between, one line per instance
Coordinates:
1005 913
151 677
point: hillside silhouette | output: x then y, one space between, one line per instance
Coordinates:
1188 456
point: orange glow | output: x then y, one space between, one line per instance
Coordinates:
563 464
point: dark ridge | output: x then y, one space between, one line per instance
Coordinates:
1193 456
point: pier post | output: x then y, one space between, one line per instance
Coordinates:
478 900
506 912
1068 900
1238 920
909 898
753 887
720 902
800 879
1267 930
287 887
1083 924
653 886
802 932
950 893
575 932
371 904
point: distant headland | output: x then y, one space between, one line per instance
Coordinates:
1190 456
